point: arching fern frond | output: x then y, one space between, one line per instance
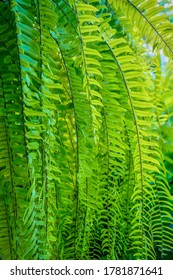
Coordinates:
83 117
152 22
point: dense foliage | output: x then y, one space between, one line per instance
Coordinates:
86 135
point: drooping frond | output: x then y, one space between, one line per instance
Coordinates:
83 121
153 24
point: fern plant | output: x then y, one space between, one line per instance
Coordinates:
82 118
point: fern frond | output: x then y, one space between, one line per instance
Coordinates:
85 113
151 21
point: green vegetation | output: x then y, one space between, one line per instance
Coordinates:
86 136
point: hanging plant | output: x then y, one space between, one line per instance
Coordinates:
82 112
